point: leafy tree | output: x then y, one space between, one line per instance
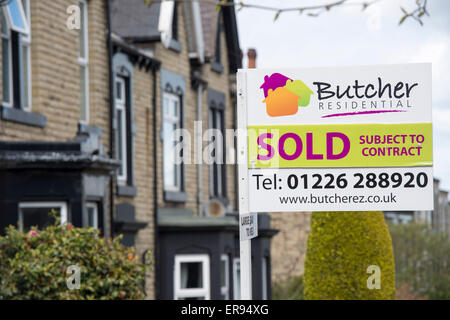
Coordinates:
422 260
36 265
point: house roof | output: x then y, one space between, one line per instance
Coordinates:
209 25
133 20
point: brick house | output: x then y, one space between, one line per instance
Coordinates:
438 219
54 115
85 128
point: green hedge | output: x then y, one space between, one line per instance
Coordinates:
341 246
35 265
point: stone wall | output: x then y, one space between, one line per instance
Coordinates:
288 247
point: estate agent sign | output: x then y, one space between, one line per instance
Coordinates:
351 138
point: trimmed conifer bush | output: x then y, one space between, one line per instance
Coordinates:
341 246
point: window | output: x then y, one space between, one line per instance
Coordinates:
218 167
83 61
36 214
171 122
16 56
175 22
26 61
217 62
16 16
264 273
236 279
225 276
192 277
122 125
92 215
168 25
173 88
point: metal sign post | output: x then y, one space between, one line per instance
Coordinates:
245 245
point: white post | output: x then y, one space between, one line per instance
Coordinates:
246 269
245 245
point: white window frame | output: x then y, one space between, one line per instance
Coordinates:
120 104
44 204
83 61
204 292
171 98
225 290
166 12
264 280
25 43
26 29
6 35
93 205
236 279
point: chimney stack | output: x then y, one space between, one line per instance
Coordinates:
251 54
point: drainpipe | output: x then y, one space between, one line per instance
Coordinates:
155 180
111 115
199 150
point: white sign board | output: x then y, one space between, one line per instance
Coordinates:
336 139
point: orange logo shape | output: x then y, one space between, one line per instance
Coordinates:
281 102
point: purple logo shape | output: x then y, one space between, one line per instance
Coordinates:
276 80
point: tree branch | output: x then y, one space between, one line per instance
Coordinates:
416 14
312 11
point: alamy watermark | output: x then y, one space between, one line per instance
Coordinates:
374 280
74 277
73 22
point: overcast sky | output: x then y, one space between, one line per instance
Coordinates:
348 36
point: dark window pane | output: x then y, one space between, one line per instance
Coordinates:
92 213
175 22
191 275
82 35
217 56
119 90
121 147
6 70
37 217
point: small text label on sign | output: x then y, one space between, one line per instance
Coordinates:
249 226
